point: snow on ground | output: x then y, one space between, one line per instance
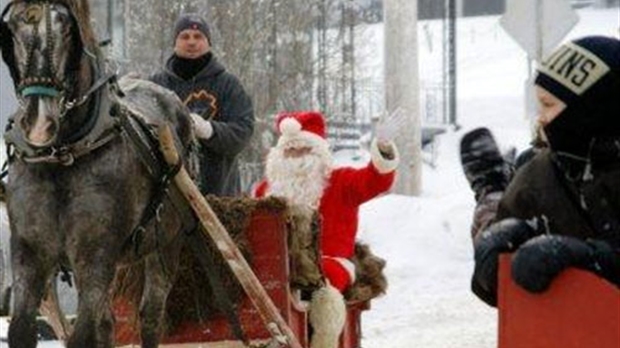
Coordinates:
426 239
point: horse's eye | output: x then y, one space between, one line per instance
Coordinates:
62 14
63 20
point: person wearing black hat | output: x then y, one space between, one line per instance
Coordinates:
221 109
562 208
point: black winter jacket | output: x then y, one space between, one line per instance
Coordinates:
574 207
219 97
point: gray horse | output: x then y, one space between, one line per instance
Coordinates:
79 188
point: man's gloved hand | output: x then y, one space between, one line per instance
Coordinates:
203 128
537 262
503 236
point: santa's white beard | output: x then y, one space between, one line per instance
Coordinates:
300 180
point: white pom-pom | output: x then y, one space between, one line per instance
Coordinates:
290 125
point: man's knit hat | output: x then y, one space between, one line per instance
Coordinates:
192 21
585 75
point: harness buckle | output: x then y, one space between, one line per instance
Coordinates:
63 155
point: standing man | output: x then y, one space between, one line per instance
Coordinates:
220 108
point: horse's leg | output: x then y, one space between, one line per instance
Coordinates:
31 272
35 247
160 271
95 324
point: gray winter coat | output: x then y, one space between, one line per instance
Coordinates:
219 97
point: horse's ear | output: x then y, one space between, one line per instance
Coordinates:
6 48
6 45
80 10
5 31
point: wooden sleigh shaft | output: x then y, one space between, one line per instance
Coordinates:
213 227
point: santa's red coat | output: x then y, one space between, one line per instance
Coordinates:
346 190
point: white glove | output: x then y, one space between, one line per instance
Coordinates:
203 128
391 126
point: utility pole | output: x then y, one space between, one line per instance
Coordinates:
402 88
322 54
452 61
110 19
273 55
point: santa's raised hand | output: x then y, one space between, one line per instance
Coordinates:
391 125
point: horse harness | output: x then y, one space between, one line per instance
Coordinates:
49 84
143 138
110 119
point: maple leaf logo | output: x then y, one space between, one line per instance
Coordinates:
203 95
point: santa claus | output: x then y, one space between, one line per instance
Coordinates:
300 169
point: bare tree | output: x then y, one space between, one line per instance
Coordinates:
289 54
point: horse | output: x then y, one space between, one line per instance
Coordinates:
80 193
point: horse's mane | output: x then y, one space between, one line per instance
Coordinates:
81 11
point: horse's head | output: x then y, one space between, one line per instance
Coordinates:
43 48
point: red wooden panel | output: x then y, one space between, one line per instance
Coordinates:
579 310
352 333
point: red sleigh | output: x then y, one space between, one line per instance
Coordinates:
267 237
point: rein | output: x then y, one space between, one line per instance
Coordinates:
79 101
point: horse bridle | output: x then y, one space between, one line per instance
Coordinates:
95 133
49 84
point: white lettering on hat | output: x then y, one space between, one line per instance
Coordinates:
574 67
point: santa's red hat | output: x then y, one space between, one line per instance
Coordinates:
292 122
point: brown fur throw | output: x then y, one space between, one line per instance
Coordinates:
370 282
303 243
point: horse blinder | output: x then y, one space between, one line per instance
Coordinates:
7 46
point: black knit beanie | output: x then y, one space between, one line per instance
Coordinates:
584 74
192 21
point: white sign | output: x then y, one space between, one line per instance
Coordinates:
538 26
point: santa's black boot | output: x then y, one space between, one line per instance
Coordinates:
483 164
